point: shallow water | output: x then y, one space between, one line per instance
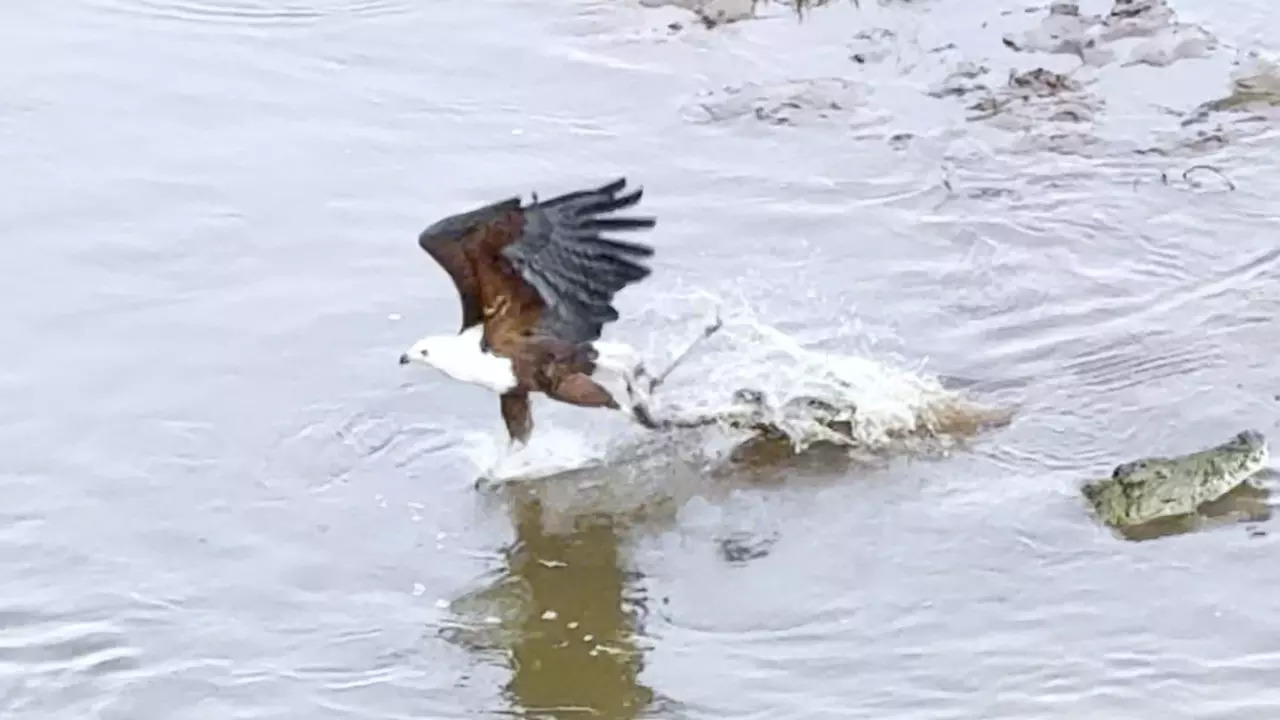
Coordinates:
224 498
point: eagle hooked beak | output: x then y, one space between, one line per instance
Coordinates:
416 352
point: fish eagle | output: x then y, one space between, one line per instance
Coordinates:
536 283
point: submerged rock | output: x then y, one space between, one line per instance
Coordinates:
1137 18
872 46
959 81
711 12
1041 83
1065 30
1036 96
1182 43
1255 87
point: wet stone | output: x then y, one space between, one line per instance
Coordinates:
1181 43
711 12
959 82
872 46
1064 30
1041 83
1255 89
1036 96
1137 18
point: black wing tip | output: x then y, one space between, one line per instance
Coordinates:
613 186
575 264
614 202
585 214
593 212
589 198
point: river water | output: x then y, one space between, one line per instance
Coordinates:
222 497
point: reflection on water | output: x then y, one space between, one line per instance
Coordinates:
564 612
577 647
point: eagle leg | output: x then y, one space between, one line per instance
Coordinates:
518 418
579 389
640 412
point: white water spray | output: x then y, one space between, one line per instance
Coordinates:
888 402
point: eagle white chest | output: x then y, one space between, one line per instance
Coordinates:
460 357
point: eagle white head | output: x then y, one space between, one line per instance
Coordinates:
426 350
460 357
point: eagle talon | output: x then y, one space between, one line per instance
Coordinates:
631 380
641 414
640 372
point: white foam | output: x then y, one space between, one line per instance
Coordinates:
551 450
891 400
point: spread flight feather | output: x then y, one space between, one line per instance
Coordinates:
539 280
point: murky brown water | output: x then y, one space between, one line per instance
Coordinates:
223 498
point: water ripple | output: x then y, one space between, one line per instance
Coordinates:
330 448
258 14
41 651
1130 361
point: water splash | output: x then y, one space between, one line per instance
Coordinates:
879 403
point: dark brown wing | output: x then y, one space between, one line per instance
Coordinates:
542 268
454 243
515 413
